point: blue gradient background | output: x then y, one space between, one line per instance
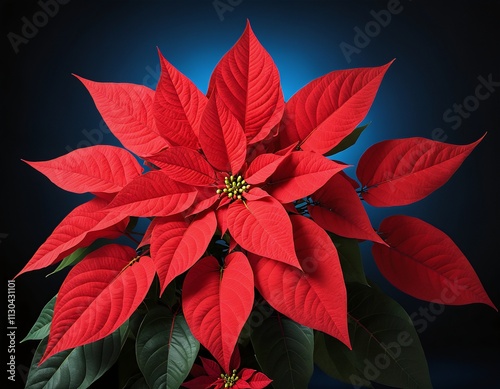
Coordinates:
440 51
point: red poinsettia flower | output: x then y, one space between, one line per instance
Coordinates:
237 164
211 376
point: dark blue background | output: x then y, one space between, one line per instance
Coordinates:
440 52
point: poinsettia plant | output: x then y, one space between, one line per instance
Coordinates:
230 257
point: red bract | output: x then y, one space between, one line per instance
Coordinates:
241 169
177 243
402 171
98 295
95 169
81 227
315 296
326 110
178 106
211 376
420 254
217 301
337 209
127 109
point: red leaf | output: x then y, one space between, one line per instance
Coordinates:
221 137
262 167
340 211
205 198
301 174
178 106
258 380
105 169
127 110
263 228
236 357
290 207
352 181
246 374
79 228
98 295
217 302
212 368
184 165
315 297
197 370
402 171
153 194
224 200
247 81
255 193
423 262
177 244
325 111
221 214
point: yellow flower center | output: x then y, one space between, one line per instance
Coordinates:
229 380
236 186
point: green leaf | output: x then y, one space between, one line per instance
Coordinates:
336 360
78 255
385 346
76 368
138 382
348 141
41 327
165 348
350 259
170 295
284 351
135 321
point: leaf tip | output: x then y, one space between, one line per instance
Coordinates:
79 77
46 355
488 302
381 241
30 163
163 60
480 139
248 32
25 269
